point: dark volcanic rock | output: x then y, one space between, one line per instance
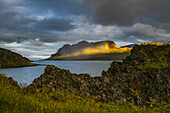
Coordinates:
59 79
10 59
123 82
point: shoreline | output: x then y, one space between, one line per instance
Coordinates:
20 66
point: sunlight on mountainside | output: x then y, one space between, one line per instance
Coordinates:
106 48
156 43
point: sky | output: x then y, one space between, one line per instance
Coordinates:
38 28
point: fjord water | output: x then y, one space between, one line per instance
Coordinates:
27 74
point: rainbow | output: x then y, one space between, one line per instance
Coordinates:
107 47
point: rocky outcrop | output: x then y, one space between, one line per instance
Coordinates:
10 59
103 50
135 80
9 81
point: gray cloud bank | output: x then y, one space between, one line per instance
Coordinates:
44 25
21 19
125 12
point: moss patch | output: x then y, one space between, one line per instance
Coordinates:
158 57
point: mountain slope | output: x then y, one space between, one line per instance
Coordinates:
10 59
103 50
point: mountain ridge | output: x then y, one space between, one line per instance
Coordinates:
103 50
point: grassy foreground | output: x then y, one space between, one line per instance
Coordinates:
14 100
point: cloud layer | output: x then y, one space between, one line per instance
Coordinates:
37 28
125 12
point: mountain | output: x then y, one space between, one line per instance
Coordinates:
129 46
10 59
103 50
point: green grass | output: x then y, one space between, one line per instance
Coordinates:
15 100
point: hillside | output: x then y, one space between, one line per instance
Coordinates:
10 59
103 50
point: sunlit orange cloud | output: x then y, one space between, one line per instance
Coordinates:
98 50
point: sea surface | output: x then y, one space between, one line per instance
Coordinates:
25 75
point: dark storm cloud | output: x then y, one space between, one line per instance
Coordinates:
24 20
55 24
14 21
159 20
60 6
125 12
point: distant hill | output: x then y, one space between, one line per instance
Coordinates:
11 59
129 46
103 50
